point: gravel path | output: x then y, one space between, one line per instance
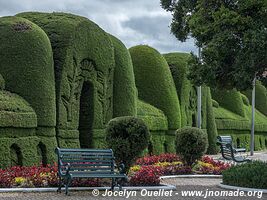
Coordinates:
182 184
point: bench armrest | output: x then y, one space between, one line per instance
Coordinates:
121 168
67 167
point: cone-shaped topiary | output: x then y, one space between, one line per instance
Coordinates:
128 137
191 144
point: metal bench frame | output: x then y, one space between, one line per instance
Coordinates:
88 163
229 152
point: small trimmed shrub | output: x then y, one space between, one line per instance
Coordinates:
128 137
250 175
191 144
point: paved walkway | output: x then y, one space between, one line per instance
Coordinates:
182 184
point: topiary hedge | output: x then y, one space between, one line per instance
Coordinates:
191 144
178 66
124 90
260 97
188 98
155 84
250 175
84 67
229 99
128 137
27 66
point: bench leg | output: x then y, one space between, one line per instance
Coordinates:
67 186
113 183
59 185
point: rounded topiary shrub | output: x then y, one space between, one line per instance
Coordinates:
250 175
191 144
128 137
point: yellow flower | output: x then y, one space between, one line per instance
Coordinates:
20 180
166 164
135 168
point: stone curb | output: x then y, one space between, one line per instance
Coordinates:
133 188
192 176
229 187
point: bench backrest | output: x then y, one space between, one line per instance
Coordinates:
226 146
95 161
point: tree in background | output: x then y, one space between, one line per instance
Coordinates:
232 35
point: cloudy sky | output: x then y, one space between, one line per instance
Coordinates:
132 21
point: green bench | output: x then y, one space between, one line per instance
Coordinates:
88 163
229 152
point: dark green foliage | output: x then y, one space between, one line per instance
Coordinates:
15 112
188 98
210 125
181 12
160 91
178 66
215 103
249 175
191 144
157 124
27 66
233 37
169 145
230 99
128 137
24 151
125 104
260 97
245 99
83 54
153 117
2 82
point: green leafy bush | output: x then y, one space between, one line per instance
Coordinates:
191 144
251 175
128 137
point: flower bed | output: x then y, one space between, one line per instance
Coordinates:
146 172
37 176
148 169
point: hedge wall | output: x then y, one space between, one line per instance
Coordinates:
155 84
260 96
229 99
84 66
178 66
27 66
230 123
157 124
124 90
188 98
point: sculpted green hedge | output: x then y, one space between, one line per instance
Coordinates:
155 84
188 98
84 65
178 66
260 96
124 90
27 66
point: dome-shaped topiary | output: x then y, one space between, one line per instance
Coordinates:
191 144
128 137
155 84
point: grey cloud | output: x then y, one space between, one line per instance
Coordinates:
132 21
